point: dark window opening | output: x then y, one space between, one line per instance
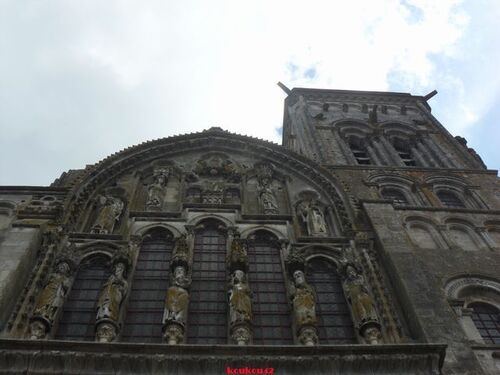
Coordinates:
143 322
449 199
403 149
193 195
396 196
207 319
78 317
359 151
335 325
271 313
486 318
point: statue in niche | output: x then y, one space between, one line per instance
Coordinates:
240 308
156 191
363 309
267 198
304 309
109 304
181 251
50 300
238 258
176 305
313 217
109 212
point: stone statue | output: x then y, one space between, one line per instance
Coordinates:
176 306
363 309
50 300
110 210
109 303
313 217
156 191
240 309
238 258
267 198
304 309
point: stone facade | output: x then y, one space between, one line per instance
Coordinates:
369 243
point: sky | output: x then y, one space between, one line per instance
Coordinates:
80 80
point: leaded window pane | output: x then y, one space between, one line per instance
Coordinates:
78 317
335 325
207 321
271 314
486 318
143 322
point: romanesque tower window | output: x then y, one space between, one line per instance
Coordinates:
396 196
78 317
335 325
450 199
486 318
358 149
207 321
143 322
403 149
272 323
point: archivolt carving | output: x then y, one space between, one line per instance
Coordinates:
454 288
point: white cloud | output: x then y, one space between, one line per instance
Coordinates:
116 73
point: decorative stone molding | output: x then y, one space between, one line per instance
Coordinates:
455 286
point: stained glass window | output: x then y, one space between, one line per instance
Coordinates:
486 318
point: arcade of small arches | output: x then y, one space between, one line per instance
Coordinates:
208 284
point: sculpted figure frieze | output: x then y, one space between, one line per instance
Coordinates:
50 300
110 210
109 304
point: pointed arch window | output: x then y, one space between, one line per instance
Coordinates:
143 321
403 149
271 314
207 320
395 195
358 149
335 325
78 317
450 199
486 318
